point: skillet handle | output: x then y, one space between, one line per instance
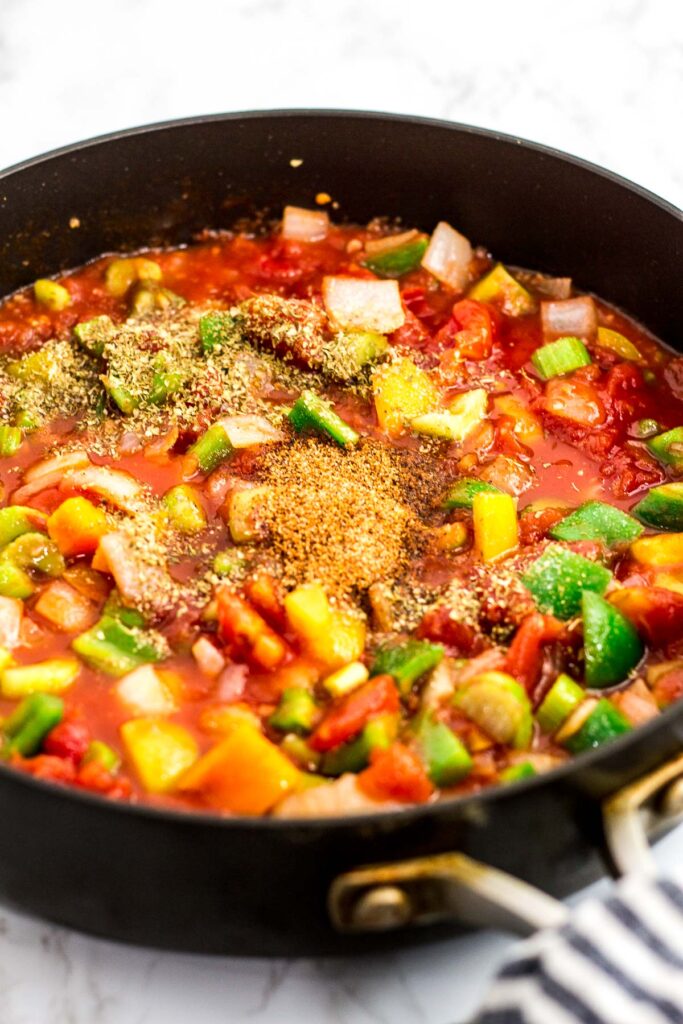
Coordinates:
452 886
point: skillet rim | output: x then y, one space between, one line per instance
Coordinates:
411 812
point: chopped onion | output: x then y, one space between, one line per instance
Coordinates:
555 287
143 693
245 431
343 796
48 473
570 317
448 256
115 486
209 659
231 683
11 613
302 225
373 246
359 304
139 583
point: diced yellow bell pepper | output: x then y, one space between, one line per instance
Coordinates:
527 427
402 391
308 610
616 342
53 676
123 273
6 659
223 719
495 524
76 526
464 413
245 773
343 642
670 581
664 549
161 751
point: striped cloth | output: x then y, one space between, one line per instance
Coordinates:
616 961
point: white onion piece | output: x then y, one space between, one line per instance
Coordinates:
574 317
143 693
115 486
48 473
11 613
302 225
245 431
231 683
555 287
139 583
341 797
359 304
389 242
448 256
209 659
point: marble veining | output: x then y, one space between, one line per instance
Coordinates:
600 78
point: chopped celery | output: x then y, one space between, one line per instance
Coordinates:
465 412
407 662
346 679
18 519
217 329
126 401
668 448
562 698
164 384
184 508
377 734
611 645
499 706
347 352
662 507
558 579
48 293
311 412
559 357
461 493
296 712
10 440
446 757
595 520
298 749
211 448
605 723
393 262
502 289
29 724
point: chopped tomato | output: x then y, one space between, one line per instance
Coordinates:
525 655
469 330
657 613
348 716
70 740
396 774
669 687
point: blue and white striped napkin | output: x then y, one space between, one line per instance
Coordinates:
616 961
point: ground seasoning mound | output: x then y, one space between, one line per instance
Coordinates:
337 517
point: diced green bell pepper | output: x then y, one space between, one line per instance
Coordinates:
399 260
662 507
563 697
499 706
93 334
611 644
558 579
668 448
165 383
596 520
298 749
114 648
217 329
212 448
297 712
461 493
311 412
378 734
446 757
14 582
18 519
34 551
407 662
102 754
126 401
29 724
114 608
517 772
605 723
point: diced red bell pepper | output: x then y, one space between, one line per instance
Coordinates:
243 627
525 655
70 740
396 774
348 716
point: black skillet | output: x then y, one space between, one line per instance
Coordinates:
202 883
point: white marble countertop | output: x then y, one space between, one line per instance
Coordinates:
600 78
